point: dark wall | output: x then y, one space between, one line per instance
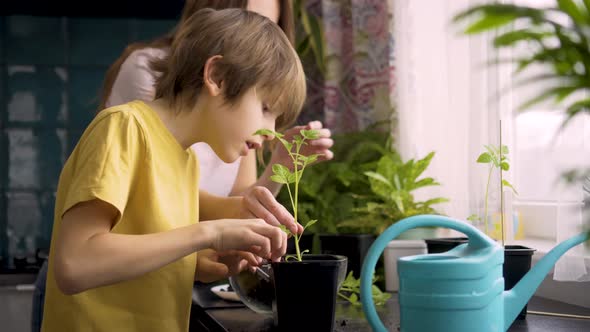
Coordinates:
51 70
147 9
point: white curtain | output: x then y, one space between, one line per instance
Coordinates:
449 101
545 153
443 87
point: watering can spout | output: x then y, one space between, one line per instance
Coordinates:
516 298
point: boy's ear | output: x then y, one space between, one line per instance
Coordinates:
211 78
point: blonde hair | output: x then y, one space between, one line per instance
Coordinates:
255 54
190 7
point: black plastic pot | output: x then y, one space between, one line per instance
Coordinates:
517 263
435 246
305 292
353 246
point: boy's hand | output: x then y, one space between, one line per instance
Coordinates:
259 202
213 265
251 235
320 146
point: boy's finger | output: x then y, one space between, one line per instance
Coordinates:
274 213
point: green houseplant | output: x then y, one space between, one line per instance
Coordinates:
557 38
393 183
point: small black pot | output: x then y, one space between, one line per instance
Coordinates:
353 246
517 263
435 246
307 289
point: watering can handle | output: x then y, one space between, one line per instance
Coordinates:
477 239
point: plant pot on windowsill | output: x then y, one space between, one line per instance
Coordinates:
517 263
395 250
353 246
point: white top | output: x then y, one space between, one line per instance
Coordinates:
136 81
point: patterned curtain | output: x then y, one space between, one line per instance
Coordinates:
358 84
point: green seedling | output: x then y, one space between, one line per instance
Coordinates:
282 174
497 159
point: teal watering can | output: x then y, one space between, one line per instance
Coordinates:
461 290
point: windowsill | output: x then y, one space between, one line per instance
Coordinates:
572 292
543 246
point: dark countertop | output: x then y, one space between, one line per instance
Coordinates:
210 313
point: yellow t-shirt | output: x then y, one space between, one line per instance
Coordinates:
128 158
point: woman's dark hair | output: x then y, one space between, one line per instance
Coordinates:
190 7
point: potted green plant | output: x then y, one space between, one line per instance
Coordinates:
497 159
324 272
393 183
517 259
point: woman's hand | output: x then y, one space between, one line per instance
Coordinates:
319 146
213 265
259 202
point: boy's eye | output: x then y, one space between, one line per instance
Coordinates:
265 108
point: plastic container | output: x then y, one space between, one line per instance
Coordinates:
394 250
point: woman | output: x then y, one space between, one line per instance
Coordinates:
130 78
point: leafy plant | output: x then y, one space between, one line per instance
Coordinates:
497 158
351 291
282 174
393 182
310 36
558 39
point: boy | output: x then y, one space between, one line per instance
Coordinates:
126 234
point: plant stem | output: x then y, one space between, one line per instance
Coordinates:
344 297
297 250
485 209
295 217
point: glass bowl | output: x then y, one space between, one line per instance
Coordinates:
254 289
